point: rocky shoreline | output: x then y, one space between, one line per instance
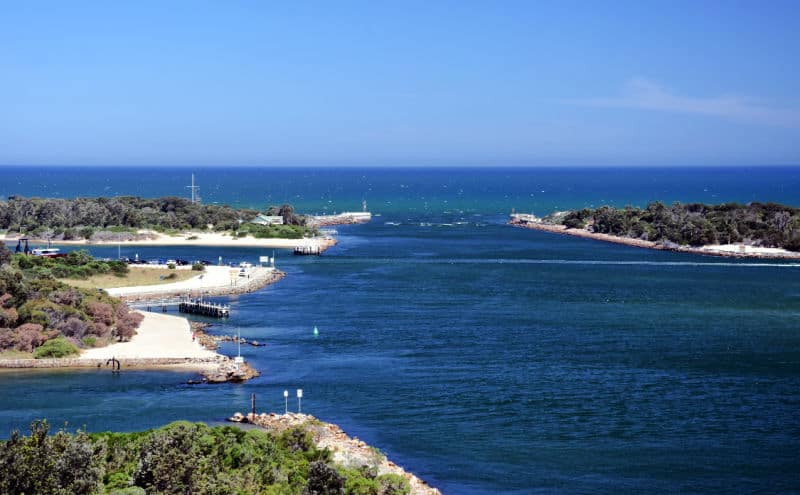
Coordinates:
347 451
627 241
211 342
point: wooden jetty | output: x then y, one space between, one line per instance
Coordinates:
200 307
308 249
185 305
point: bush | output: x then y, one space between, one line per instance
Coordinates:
119 268
89 341
324 480
73 327
29 336
101 312
56 348
198 267
8 339
171 266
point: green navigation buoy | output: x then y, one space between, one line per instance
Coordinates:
316 332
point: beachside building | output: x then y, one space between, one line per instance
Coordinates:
269 220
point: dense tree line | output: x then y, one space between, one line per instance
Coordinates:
75 218
695 224
179 459
104 218
40 315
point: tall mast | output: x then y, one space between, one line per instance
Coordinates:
193 188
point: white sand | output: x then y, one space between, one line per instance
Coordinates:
750 250
158 336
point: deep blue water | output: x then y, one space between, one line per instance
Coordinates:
484 358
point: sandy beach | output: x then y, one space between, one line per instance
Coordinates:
158 336
194 239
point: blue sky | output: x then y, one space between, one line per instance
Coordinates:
404 83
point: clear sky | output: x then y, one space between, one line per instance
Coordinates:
403 83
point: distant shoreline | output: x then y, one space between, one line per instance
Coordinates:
727 251
188 238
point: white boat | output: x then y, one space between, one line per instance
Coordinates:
47 252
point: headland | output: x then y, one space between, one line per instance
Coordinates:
349 452
756 230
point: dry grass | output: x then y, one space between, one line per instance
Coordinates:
15 354
135 277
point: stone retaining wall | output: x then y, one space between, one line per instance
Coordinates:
97 363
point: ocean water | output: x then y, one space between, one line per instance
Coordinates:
484 358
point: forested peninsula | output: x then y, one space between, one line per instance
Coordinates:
753 228
119 218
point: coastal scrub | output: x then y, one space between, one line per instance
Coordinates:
181 458
40 315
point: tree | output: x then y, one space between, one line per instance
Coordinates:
60 464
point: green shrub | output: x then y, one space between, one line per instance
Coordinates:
118 480
55 348
198 267
171 266
89 341
393 484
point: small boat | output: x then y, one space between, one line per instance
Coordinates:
48 252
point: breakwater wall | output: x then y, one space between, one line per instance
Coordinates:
345 218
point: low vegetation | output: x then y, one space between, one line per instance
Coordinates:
273 231
694 224
41 315
181 458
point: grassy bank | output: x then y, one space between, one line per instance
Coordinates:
135 277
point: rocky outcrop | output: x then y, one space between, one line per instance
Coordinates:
229 371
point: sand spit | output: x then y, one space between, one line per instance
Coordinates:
214 281
726 250
350 452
